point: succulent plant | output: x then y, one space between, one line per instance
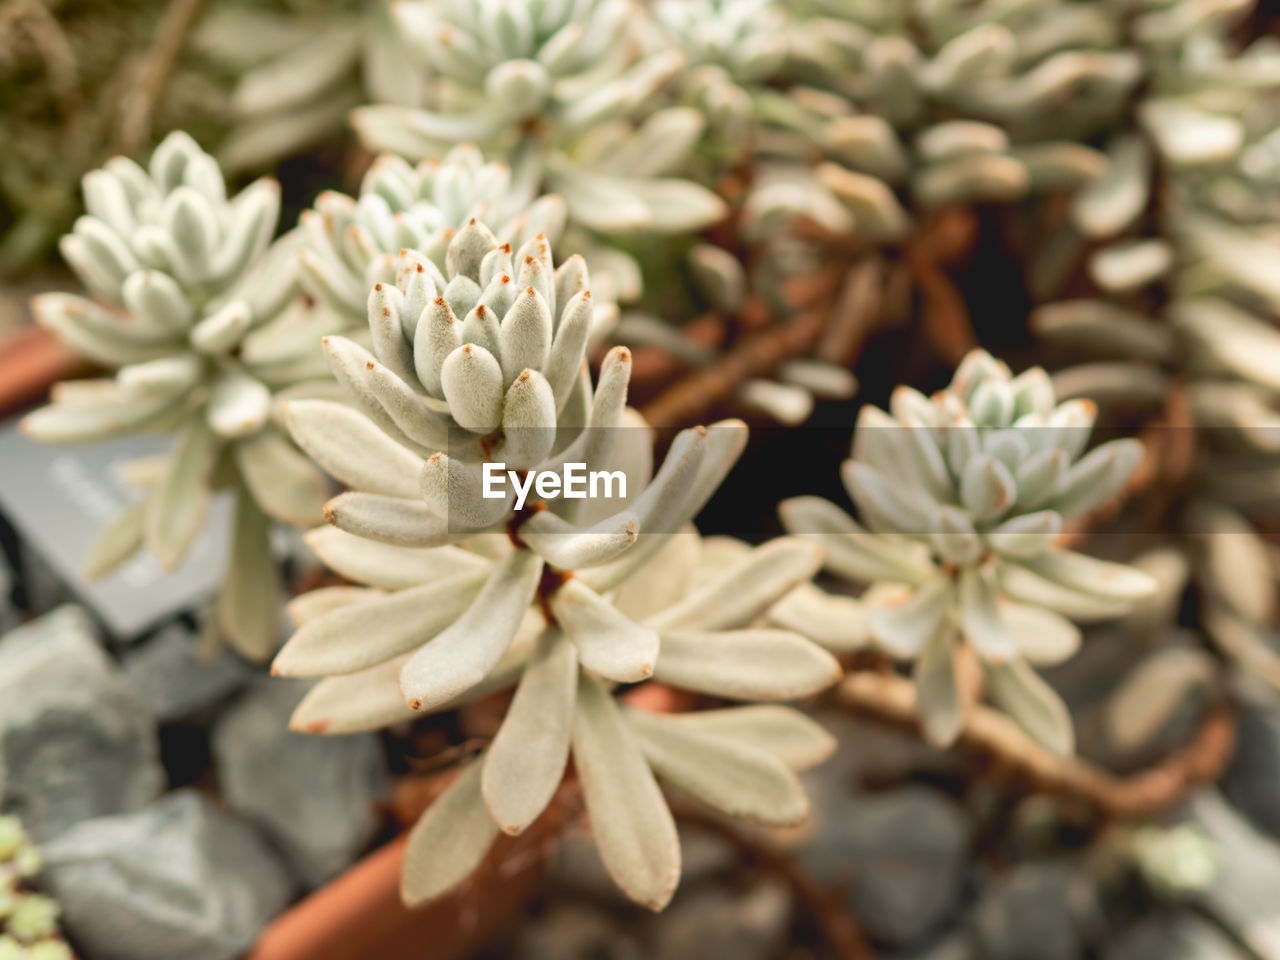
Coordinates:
560 92
28 920
1203 263
193 311
962 496
460 595
734 48
298 73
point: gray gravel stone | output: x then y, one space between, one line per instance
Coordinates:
178 879
902 856
1037 911
1182 936
1253 779
575 931
315 796
174 681
713 921
75 741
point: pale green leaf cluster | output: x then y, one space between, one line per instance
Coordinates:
195 309
962 496
461 595
28 920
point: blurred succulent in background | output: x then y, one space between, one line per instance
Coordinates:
195 310
462 594
28 921
963 496
1184 319
562 93
298 72
734 49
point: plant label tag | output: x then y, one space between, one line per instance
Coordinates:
58 498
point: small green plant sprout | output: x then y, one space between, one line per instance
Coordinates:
962 497
460 594
194 307
28 921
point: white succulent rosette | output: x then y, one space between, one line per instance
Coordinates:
962 496
194 309
298 75
561 93
458 595
734 49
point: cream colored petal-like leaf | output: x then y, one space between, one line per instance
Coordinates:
251 595
661 581
608 643
736 779
316 603
851 551
630 820
387 566
905 620
177 507
1043 638
283 481
835 622
1076 571
1032 703
465 652
449 841
397 521
745 664
527 758
942 709
784 732
352 638
746 589
351 448
116 542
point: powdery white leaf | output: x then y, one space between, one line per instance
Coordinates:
745 664
731 777
1043 638
527 758
449 841
119 540
1022 585
352 638
572 548
386 566
1031 702
351 448
851 551
455 491
316 603
608 643
630 820
61 422
661 581
283 481
250 598
466 651
903 622
980 618
397 521
835 622
942 709
1076 571
177 507
788 734
1153 691
746 589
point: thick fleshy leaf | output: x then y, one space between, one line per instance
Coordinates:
466 651
238 405
1076 571
942 708
456 491
741 781
1021 585
176 508
316 603
1031 702
572 548
355 637
608 643
630 820
251 595
449 841
1154 692
351 448
980 618
1097 477
745 664
835 622
663 580
397 521
386 566
903 629
851 551
746 589
1043 638
788 734
76 423
1237 564
119 540
283 481
527 758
